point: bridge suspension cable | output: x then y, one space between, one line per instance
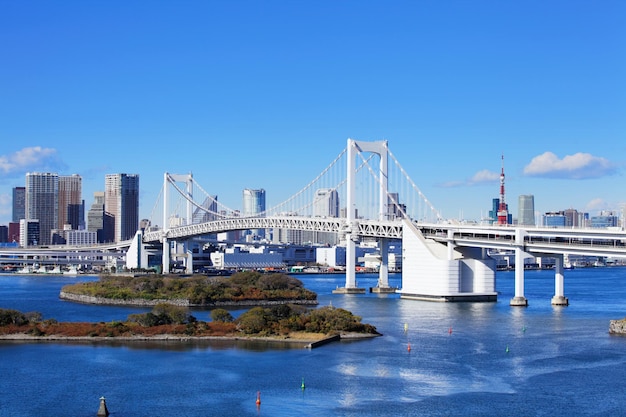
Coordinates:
221 207
400 190
153 213
285 205
403 197
200 206
415 187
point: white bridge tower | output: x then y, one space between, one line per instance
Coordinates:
351 226
173 179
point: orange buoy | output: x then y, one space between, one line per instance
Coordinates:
450 330
408 348
258 398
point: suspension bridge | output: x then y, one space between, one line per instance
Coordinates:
374 198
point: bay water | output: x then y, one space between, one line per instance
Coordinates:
474 359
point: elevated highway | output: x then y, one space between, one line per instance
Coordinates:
447 242
364 228
539 241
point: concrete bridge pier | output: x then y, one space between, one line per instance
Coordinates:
351 286
166 256
559 298
519 300
383 272
189 263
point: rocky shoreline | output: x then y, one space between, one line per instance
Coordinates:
140 302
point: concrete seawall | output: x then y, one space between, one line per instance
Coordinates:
139 302
323 342
87 299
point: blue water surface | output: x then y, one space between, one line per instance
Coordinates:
475 359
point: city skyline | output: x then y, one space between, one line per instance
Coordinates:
265 96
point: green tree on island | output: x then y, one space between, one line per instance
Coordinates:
198 290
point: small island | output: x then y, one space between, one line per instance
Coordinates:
285 323
249 288
280 311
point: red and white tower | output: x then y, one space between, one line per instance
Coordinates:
503 211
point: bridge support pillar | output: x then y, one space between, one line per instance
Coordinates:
350 263
189 251
519 300
559 298
383 272
351 287
166 256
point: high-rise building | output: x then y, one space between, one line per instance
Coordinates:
605 219
526 210
29 232
574 218
4 234
42 203
80 237
207 212
254 205
554 219
19 204
395 210
14 232
253 202
326 203
71 204
493 213
95 216
121 203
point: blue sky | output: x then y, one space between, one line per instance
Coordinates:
264 94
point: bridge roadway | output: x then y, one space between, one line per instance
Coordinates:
366 228
533 240
539 241
524 241
527 242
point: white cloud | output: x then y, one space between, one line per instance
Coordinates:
26 159
484 176
451 184
596 204
481 177
577 166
